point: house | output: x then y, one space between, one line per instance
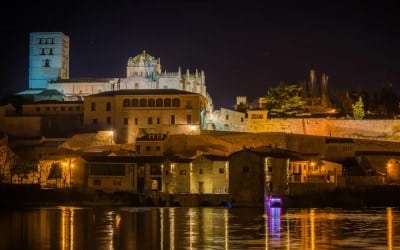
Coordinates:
313 171
205 174
137 174
256 173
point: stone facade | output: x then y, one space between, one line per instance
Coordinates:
48 58
133 113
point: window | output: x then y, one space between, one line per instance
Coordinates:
155 170
200 171
104 169
221 170
126 103
41 52
93 106
108 106
245 169
70 109
182 172
94 121
78 108
62 108
172 119
159 102
143 102
149 120
189 119
137 148
126 121
96 182
152 103
46 63
147 148
50 51
158 148
226 117
47 108
37 109
135 103
257 116
136 121
176 102
108 120
158 120
167 102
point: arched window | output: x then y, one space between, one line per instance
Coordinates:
126 103
176 102
159 102
135 102
143 102
167 102
151 102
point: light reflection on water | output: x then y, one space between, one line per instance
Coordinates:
198 228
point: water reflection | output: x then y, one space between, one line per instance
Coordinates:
198 228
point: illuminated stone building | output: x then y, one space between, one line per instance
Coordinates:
205 174
44 118
49 69
138 112
48 58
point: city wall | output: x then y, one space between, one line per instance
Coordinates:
350 128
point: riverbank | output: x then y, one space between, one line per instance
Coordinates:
33 195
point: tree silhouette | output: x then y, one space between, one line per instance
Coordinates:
55 172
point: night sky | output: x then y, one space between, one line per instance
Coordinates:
244 48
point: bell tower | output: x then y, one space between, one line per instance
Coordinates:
48 58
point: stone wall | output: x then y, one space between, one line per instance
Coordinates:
350 128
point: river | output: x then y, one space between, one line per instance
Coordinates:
143 228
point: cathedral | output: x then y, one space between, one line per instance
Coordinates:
49 70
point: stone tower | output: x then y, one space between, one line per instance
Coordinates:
48 58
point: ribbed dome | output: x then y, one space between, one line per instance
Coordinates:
141 57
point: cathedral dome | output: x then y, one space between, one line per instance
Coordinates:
143 57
